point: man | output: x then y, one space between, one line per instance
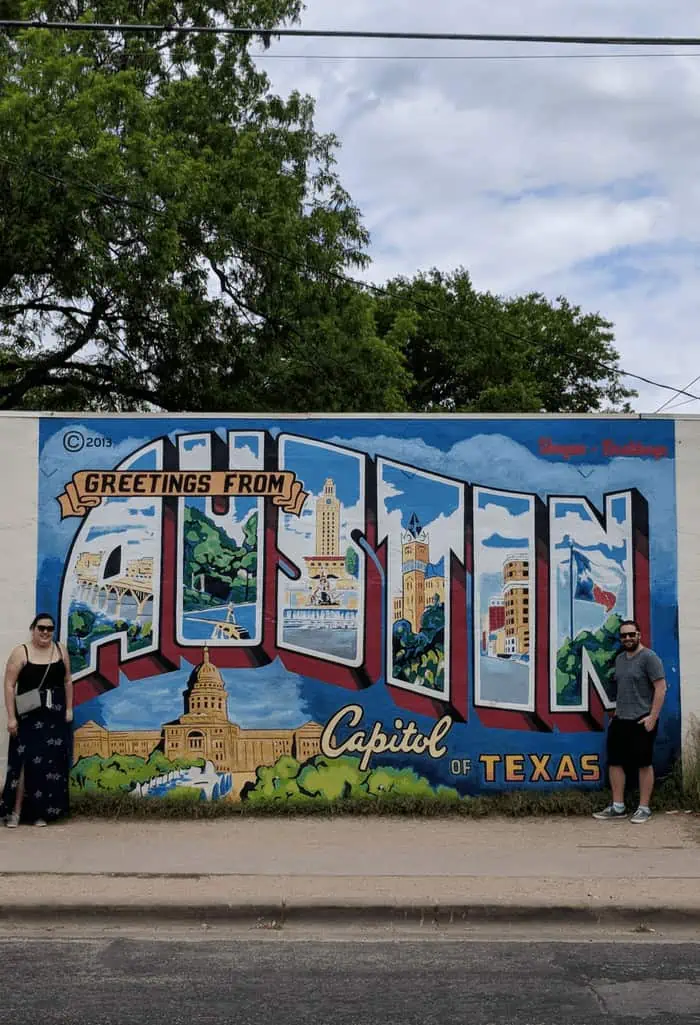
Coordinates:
641 689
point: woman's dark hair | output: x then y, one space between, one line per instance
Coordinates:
42 615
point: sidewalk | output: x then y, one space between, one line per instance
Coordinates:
356 869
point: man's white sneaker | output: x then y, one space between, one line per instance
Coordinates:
609 814
12 821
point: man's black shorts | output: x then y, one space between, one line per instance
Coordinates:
630 744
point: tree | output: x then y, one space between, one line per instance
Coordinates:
352 562
385 780
602 646
250 533
276 782
229 570
468 351
172 234
249 567
332 779
80 626
420 658
86 771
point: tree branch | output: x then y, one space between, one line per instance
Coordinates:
11 394
102 378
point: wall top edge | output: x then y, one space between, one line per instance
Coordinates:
77 415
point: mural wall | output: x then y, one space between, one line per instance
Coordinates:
325 607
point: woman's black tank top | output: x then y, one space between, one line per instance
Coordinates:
32 673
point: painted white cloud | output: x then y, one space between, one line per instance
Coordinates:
298 538
572 177
495 519
445 534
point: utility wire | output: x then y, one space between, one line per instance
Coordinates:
680 391
466 56
334 275
308 33
677 405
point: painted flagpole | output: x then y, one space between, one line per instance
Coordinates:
571 589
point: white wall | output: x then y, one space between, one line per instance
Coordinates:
19 451
688 532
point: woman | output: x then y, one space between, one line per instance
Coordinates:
39 755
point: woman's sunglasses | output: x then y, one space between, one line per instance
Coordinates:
45 629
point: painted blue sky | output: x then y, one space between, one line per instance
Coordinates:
514 504
313 465
575 175
501 541
262 698
424 496
240 444
617 553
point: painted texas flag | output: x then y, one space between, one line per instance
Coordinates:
587 587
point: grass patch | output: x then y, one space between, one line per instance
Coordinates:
672 794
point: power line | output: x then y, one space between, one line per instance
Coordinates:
334 275
307 33
677 405
466 56
680 391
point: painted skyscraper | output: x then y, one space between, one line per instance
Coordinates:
328 521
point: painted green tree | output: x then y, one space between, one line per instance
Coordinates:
332 779
124 772
352 562
420 658
602 645
85 627
216 569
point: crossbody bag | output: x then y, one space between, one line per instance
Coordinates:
30 701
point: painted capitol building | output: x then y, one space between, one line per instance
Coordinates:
204 731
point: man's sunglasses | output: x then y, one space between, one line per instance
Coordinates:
45 629
624 637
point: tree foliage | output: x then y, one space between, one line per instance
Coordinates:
124 772
227 571
85 627
469 351
169 227
333 779
602 646
420 658
175 236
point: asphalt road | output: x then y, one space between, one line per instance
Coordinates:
127 981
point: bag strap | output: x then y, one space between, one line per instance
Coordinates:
48 666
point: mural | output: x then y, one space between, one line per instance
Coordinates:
286 608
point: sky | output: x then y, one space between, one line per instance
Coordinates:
572 177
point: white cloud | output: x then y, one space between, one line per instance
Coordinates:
572 177
495 519
296 539
445 534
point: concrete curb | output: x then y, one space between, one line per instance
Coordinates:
278 914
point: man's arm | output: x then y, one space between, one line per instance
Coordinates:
650 721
